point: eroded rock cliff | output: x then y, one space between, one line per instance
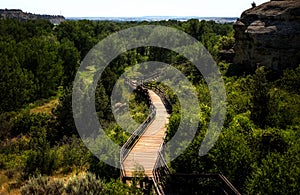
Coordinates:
22 16
269 35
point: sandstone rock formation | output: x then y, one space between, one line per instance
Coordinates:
269 35
22 16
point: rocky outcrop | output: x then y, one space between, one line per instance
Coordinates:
22 16
269 35
227 55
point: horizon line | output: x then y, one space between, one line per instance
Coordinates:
150 16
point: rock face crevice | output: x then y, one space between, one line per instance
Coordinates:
269 35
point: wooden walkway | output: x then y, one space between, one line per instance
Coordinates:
145 151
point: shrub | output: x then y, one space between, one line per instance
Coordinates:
277 174
87 184
41 159
73 153
23 123
42 185
117 187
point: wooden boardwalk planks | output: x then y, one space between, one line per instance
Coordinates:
145 152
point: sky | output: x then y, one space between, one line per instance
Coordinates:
132 8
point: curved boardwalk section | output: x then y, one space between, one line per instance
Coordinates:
145 151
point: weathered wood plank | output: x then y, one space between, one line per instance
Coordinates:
145 152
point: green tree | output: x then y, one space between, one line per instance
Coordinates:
65 124
41 159
261 97
71 59
232 155
16 83
277 174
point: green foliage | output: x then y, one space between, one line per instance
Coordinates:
138 106
102 103
86 184
81 33
239 94
6 124
117 134
45 63
16 82
65 124
20 31
284 108
232 155
257 150
41 159
254 159
101 169
42 185
26 123
290 80
13 160
72 154
261 97
269 140
276 174
71 59
118 187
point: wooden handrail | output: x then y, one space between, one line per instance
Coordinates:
135 136
161 171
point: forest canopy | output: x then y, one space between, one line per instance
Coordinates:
258 149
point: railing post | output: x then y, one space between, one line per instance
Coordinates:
135 136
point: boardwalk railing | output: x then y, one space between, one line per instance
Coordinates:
160 92
164 181
203 183
161 172
135 136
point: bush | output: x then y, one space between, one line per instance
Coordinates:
78 185
277 174
117 187
6 124
232 156
73 153
24 122
41 159
102 169
42 185
87 184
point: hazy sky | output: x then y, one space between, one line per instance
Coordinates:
127 8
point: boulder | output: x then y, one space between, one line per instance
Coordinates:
269 35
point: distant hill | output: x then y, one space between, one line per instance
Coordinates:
23 16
